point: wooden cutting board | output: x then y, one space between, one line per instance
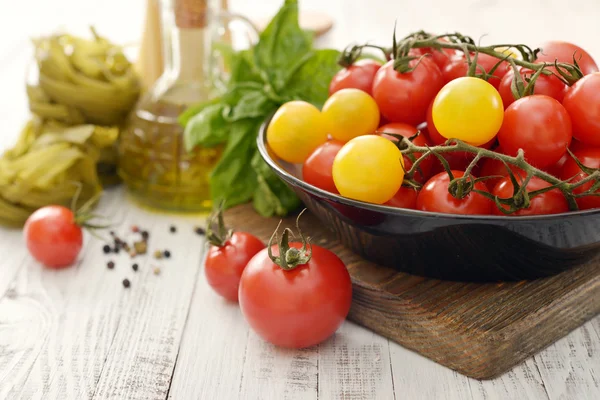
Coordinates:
479 330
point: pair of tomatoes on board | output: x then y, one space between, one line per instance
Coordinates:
296 303
344 147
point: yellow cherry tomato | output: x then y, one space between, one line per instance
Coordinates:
469 109
368 168
295 131
349 113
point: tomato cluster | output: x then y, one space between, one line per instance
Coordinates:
345 148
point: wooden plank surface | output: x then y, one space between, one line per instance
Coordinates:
77 333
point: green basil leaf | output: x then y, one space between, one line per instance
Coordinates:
251 105
311 80
192 110
232 179
208 128
272 196
281 45
243 69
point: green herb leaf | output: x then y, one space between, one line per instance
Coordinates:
207 128
243 69
272 195
232 180
252 104
281 45
191 111
311 81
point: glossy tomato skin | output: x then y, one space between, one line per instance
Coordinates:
564 52
548 85
405 97
297 308
317 169
52 236
406 197
359 75
551 202
349 113
590 157
434 196
539 125
458 68
582 101
409 131
224 265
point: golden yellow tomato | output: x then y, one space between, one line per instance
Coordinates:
368 168
469 109
295 131
349 113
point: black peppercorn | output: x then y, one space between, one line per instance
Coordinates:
112 233
200 231
173 229
110 265
117 249
126 283
106 249
145 235
167 253
134 267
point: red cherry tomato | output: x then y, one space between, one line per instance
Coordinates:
550 202
52 236
434 196
548 85
406 197
495 167
408 131
224 264
440 57
300 307
359 75
564 52
540 126
582 101
405 97
458 67
316 170
590 157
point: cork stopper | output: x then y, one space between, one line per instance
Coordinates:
190 14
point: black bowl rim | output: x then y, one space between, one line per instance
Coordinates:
262 148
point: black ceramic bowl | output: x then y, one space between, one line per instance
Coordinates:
446 246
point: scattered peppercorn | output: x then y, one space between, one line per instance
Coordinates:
126 283
135 229
158 254
134 267
167 253
112 233
126 247
110 264
140 247
116 249
145 235
173 229
156 271
106 249
200 230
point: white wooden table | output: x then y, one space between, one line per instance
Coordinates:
78 334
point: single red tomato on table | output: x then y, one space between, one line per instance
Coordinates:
408 131
548 85
590 157
228 255
550 202
293 295
540 126
435 196
53 236
565 52
359 75
582 102
404 97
